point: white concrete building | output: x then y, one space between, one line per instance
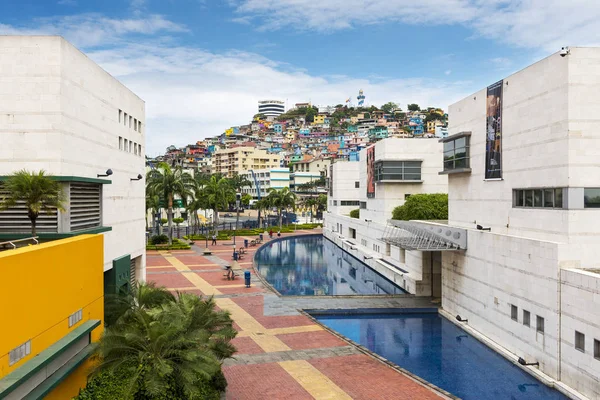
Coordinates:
62 113
271 108
274 178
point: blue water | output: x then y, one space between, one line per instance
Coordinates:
314 266
438 351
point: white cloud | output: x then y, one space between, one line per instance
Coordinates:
546 24
88 30
448 72
191 94
67 2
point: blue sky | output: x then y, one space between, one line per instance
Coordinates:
201 65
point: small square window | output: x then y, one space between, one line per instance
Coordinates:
514 312
356 185
526 318
539 324
120 143
580 341
597 349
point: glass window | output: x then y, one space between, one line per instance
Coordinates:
558 198
526 318
591 198
580 341
456 153
529 198
519 198
597 349
549 198
357 185
398 171
514 312
539 324
537 198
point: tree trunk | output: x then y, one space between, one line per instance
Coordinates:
216 221
280 218
33 218
170 218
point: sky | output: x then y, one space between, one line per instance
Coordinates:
202 65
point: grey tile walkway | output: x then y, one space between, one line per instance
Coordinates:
278 356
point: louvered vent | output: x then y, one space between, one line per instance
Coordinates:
85 209
132 279
15 220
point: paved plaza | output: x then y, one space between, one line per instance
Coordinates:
283 354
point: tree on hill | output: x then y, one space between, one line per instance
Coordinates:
389 107
413 107
428 206
310 114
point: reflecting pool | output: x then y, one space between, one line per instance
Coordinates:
438 351
314 266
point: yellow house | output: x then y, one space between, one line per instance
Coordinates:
319 119
52 298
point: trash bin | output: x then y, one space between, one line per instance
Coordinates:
246 243
260 236
247 278
235 256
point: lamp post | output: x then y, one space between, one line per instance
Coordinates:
238 197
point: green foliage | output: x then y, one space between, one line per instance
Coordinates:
159 239
162 347
178 221
355 213
389 107
175 245
163 221
414 107
38 192
282 200
432 206
246 198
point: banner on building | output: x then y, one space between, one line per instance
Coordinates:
371 172
331 180
493 143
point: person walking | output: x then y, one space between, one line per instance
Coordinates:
214 239
271 234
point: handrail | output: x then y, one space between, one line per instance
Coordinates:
12 242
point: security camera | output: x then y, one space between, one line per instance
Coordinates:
564 51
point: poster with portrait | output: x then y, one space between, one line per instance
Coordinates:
371 172
493 128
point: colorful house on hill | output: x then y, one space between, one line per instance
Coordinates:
378 132
278 127
416 126
304 132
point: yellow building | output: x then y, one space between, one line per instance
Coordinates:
319 119
239 160
52 298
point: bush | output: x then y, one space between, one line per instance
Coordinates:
177 245
163 221
178 221
159 239
433 206
355 213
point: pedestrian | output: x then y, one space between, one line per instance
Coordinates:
271 234
214 239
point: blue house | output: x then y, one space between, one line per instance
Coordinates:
278 128
304 131
416 126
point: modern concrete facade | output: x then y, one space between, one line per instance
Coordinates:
239 160
61 112
271 108
274 178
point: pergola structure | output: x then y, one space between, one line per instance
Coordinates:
424 236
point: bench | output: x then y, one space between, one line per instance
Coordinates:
227 273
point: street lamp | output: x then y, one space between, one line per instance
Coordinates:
238 198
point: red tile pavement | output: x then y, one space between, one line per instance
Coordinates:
254 305
311 340
262 382
170 280
156 261
192 259
197 292
216 278
246 345
161 269
362 377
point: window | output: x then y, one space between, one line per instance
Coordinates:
135 148
120 143
514 312
120 115
139 127
335 202
350 203
363 205
363 242
580 341
526 318
356 185
538 198
75 317
397 171
140 150
456 153
591 198
539 324
19 353
597 349
125 119
130 121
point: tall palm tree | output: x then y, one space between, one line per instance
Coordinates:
168 351
144 296
170 182
218 193
239 181
152 203
36 190
282 200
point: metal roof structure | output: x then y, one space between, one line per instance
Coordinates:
424 236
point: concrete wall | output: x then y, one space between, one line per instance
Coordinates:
69 272
345 176
59 111
580 302
390 195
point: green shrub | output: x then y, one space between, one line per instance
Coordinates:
159 239
163 221
355 213
177 245
178 221
430 206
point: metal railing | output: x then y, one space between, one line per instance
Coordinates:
14 246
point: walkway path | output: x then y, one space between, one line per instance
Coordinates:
282 354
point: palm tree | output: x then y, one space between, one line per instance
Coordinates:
170 182
239 181
144 296
172 350
36 190
218 193
282 200
152 203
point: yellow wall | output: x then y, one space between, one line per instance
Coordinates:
40 286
